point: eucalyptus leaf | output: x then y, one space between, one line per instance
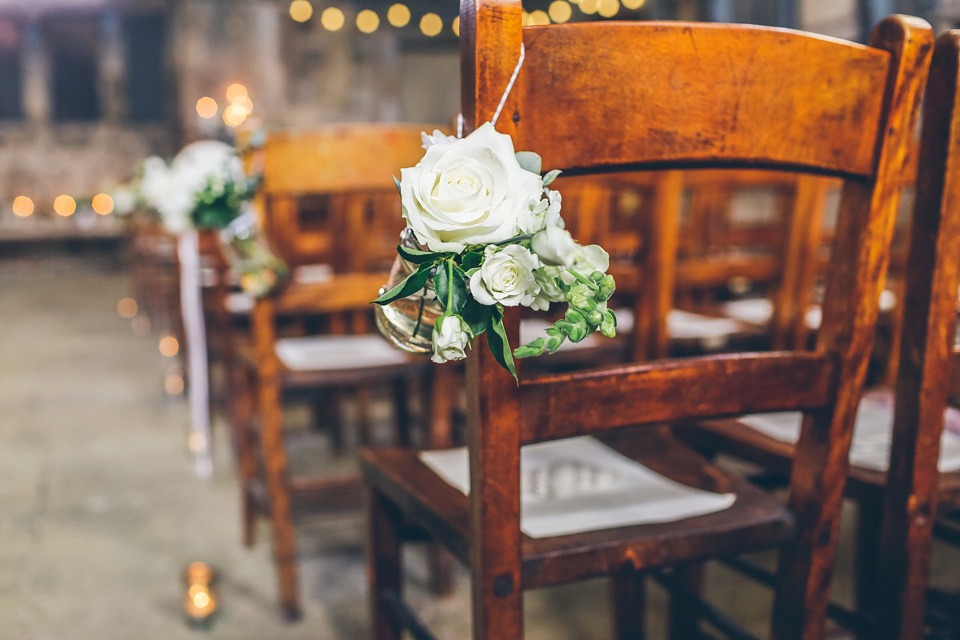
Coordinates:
530 161
500 346
410 285
397 182
550 177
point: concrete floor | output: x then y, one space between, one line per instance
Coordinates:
100 510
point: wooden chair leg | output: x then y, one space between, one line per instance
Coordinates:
275 459
401 407
384 568
328 412
364 426
441 565
684 622
629 601
242 416
869 518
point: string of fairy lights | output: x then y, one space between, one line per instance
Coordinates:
238 106
399 15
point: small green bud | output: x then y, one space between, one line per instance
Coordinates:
574 316
578 332
595 318
607 287
587 305
597 276
553 344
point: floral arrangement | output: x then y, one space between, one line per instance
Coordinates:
205 187
490 235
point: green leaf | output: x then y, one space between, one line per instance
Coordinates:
416 256
442 285
410 285
499 345
471 260
550 177
530 161
477 316
535 348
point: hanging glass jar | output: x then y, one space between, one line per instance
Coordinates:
408 322
252 261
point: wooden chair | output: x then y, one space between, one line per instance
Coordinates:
897 489
625 95
344 174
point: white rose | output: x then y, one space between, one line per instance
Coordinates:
161 190
545 213
506 276
450 338
555 246
467 191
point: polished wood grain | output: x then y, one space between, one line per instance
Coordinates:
624 96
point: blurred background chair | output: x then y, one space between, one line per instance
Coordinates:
327 206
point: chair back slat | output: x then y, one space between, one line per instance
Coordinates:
721 113
562 406
924 373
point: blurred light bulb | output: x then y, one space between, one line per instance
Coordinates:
64 205
332 19
102 203
398 15
22 206
368 21
207 107
560 11
301 10
431 24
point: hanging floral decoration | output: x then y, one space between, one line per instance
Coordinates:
205 187
489 235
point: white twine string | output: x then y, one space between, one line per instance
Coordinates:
188 251
503 98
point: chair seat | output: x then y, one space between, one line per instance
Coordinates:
343 359
759 311
769 439
720 514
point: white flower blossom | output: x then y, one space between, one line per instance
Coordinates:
467 191
506 277
451 335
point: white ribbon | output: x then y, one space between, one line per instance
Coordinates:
191 306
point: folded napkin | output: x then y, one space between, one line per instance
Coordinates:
580 484
872 432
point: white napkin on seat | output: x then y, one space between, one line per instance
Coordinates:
580 484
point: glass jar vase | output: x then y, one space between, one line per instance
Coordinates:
252 261
408 322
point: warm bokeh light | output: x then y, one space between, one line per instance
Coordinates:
169 346
632 4
560 11
234 115
368 21
127 308
431 24
539 18
207 107
608 8
236 91
173 385
398 15
456 25
245 102
332 19
102 203
301 10
22 206
589 7
64 205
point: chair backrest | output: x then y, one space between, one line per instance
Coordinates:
932 276
327 195
614 95
775 252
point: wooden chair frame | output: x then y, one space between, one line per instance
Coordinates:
628 129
